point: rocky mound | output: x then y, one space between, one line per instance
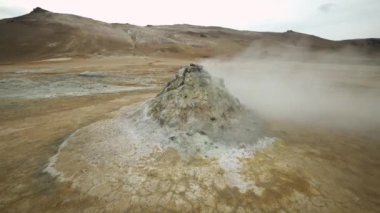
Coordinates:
195 108
194 133
194 101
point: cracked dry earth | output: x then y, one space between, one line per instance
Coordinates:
98 166
114 161
101 161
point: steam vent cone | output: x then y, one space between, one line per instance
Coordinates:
195 106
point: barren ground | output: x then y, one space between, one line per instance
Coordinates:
42 103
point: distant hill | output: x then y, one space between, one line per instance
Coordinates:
42 34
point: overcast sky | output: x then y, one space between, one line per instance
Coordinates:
332 19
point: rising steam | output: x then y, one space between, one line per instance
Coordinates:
330 89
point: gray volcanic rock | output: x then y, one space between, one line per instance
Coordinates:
195 106
194 100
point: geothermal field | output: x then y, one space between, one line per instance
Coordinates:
99 117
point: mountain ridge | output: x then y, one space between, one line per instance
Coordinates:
43 34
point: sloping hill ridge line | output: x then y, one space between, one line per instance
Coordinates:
43 34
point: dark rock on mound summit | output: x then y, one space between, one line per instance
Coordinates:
39 10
